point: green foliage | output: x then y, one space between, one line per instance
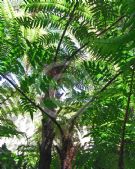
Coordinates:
26 157
7 128
97 38
7 158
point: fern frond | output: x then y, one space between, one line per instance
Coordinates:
7 128
52 7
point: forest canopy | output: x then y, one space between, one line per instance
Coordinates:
71 62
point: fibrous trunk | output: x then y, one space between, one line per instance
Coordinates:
46 145
47 126
67 154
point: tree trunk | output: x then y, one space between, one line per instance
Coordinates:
121 156
47 125
46 145
68 158
68 152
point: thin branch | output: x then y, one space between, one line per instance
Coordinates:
113 24
60 109
85 107
69 60
63 34
45 111
99 34
122 143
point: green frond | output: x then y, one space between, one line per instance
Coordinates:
7 128
52 7
99 71
48 39
27 107
40 21
111 48
69 45
8 101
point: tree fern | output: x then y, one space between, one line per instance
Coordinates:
95 42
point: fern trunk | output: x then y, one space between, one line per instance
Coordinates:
67 154
47 127
66 161
46 145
